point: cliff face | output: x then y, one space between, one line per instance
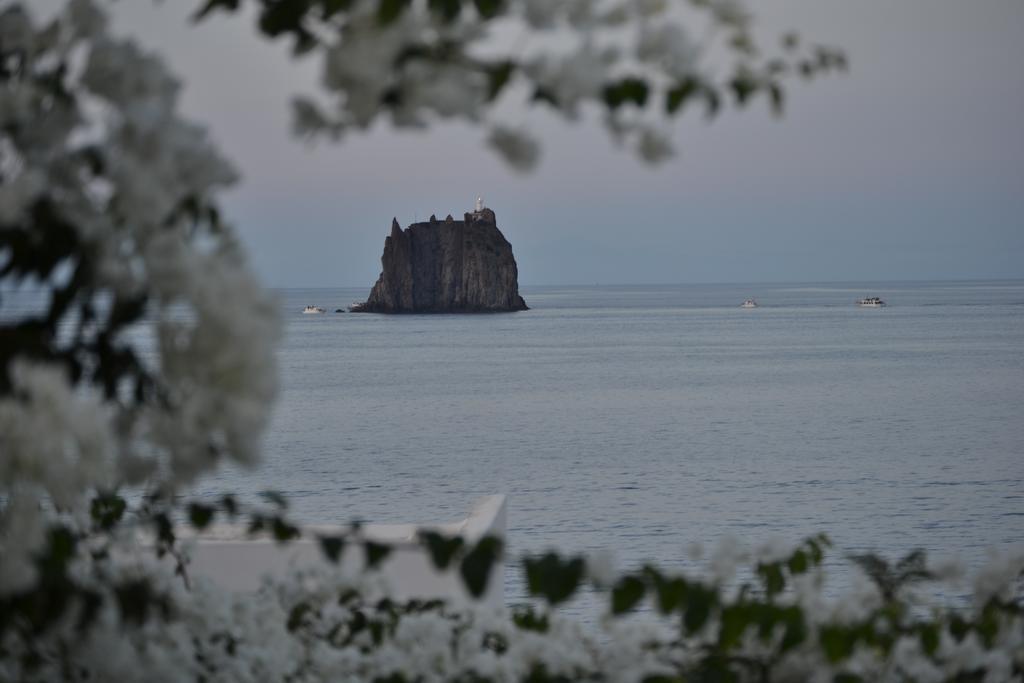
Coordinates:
447 267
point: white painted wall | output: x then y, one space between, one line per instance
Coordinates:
237 563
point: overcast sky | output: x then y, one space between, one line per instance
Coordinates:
911 166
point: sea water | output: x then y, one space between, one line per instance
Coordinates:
647 418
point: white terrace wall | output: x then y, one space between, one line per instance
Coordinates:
238 563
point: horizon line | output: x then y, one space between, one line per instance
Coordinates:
702 283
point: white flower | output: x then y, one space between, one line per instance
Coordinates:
16 34
670 47
949 569
541 14
569 79
997 577
18 194
773 549
726 558
447 89
85 18
601 567
913 663
54 438
17 104
22 536
132 80
361 64
731 12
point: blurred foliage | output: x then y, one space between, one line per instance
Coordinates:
659 81
714 623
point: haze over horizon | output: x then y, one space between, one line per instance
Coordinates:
910 167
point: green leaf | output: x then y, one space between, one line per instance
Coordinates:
797 562
332 547
283 17
136 598
699 602
283 531
200 515
671 594
734 622
229 504
816 546
677 96
328 8
212 5
627 594
375 553
542 94
60 549
442 550
477 563
498 76
449 10
796 628
297 615
256 524
552 578
772 577
847 678
743 86
164 532
524 617
107 510
388 11
929 634
488 9
631 90
837 642
959 628
988 625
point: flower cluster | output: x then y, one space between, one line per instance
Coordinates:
151 356
637 61
320 624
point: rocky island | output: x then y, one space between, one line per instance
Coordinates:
446 266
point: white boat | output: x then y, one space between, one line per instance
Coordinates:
313 310
749 303
870 302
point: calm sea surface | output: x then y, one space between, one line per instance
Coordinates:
646 418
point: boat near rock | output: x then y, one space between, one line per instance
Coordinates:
313 310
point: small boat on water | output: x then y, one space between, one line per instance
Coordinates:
313 310
749 303
870 302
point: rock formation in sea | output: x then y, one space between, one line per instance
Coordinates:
447 266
